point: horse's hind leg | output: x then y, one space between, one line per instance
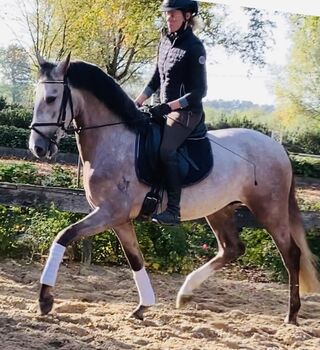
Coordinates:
274 216
230 247
130 247
96 222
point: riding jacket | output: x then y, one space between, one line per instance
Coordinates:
180 72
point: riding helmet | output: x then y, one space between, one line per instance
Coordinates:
183 5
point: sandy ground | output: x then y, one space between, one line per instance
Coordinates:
93 305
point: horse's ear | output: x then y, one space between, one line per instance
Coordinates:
40 59
63 66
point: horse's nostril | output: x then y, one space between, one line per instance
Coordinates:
40 151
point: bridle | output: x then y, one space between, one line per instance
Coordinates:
67 98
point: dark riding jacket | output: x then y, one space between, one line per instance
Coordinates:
180 72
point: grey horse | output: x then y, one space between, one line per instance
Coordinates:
106 119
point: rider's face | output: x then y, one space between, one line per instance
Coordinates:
174 19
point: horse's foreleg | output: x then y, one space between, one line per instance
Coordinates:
230 247
130 246
95 222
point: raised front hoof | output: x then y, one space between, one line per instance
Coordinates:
291 320
45 305
183 300
138 312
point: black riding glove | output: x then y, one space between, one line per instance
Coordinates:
160 110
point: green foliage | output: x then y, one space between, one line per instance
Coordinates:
10 136
12 226
27 173
254 118
304 166
15 68
304 142
179 249
3 103
19 173
262 252
59 177
17 116
298 87
28 232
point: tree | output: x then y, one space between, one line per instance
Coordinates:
122 35
220 28
16 71
298 90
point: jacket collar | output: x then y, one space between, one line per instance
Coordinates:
179 34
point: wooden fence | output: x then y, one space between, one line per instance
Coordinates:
74 200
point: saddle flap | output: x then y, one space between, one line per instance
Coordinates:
195 158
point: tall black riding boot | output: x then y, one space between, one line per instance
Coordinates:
171 216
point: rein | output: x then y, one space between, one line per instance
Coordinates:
67 98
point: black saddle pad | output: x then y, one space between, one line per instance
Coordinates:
195 158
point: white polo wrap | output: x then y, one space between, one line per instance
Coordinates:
50 271
146 293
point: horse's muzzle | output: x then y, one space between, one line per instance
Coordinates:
42 148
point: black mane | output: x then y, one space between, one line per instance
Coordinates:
89 77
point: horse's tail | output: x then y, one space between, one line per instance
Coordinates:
308 275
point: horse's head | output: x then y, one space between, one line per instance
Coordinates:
53 110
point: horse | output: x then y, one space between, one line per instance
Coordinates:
250 169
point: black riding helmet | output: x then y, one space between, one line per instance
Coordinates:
183 5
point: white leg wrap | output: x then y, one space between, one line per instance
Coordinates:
50 271
195 278
144 287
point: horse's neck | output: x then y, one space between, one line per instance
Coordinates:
96 144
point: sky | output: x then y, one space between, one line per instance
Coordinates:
227 76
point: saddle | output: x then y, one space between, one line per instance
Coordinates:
194 156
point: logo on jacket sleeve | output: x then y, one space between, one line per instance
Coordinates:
202 60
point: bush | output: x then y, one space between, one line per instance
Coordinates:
27 173
262 252
307 142
305 166
19 173
18 117
226 122
10 136
3 103
28 233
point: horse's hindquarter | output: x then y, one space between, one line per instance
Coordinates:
241 156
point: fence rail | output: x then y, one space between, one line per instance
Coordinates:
72 158
74 200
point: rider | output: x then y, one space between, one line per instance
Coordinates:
180 75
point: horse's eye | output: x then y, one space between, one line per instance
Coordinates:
50 99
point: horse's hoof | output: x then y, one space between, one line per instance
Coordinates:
138 312
291 321
183 299
45 305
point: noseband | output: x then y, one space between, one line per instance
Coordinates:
66 98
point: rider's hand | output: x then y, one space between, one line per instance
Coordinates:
160 110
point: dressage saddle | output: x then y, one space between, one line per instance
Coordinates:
195 162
